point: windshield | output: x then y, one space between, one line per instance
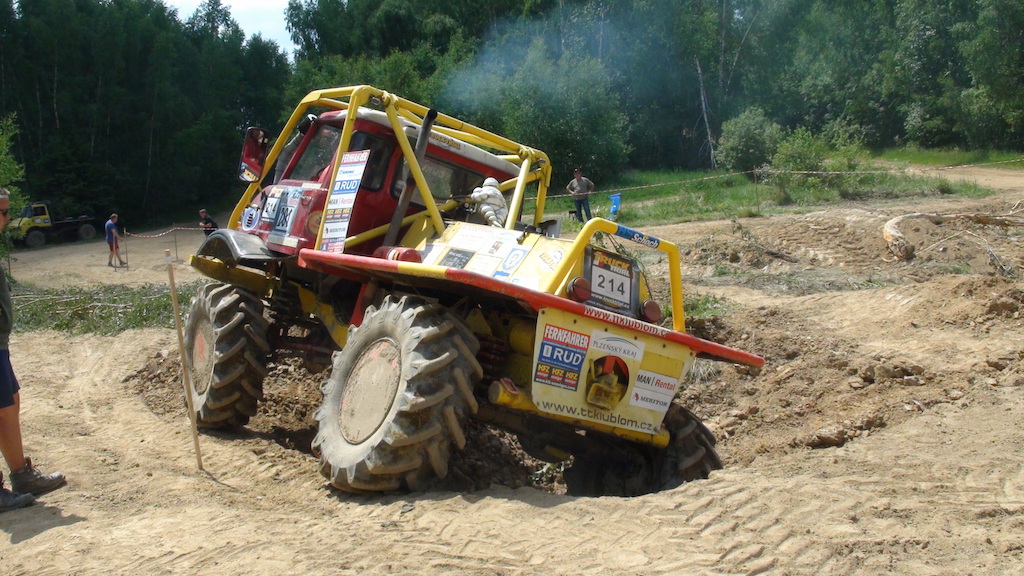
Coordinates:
444 179
318 154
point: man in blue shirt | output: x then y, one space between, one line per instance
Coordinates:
113 239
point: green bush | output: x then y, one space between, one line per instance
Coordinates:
822 166
748 141
798 153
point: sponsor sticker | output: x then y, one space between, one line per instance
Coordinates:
637 236
562 353
617 345
342 198
653 391
513 260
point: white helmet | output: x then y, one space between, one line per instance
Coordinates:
491 182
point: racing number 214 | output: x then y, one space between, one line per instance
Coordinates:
609 284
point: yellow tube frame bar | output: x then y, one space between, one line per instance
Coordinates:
560 278
534 164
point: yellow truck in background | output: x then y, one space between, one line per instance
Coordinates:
39 224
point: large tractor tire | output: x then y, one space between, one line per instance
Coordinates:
35 239
690 455
397 398
226 350
86 232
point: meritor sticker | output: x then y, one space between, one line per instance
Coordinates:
653 391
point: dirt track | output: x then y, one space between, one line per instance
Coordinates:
884 436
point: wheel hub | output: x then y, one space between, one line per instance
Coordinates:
370 390
202 357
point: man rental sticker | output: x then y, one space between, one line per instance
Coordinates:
343 196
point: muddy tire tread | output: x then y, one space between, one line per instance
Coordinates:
411 447
230 393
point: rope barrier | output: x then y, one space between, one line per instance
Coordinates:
165 233
819 172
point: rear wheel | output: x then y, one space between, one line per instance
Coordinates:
86 232
226 351
635 470
690 454
35 239
397 399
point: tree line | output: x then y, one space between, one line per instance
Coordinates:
126 105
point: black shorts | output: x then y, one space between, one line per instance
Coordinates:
8 381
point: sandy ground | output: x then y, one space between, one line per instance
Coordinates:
884 435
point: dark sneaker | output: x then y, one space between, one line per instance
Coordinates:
28 480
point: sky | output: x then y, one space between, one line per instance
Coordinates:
263 16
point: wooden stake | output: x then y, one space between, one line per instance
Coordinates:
184 368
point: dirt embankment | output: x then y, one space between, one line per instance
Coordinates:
883 437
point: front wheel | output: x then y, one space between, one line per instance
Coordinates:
226 352
35 239
397 399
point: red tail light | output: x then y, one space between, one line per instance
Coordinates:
650 311
578 289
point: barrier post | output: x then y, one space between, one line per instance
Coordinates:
186 380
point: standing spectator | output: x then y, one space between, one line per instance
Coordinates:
113 240
26 481
581 188
206 223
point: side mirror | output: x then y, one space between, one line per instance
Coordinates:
254 154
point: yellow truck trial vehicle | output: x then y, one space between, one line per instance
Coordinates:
39 222
410 250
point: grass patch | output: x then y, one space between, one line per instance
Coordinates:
662 197
704 305
950 157
107 310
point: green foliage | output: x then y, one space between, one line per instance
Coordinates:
130 109
992 47
749 141
822 166
375 29
418 74
139 110
11 171
105 309
797 162
704 305
558 103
